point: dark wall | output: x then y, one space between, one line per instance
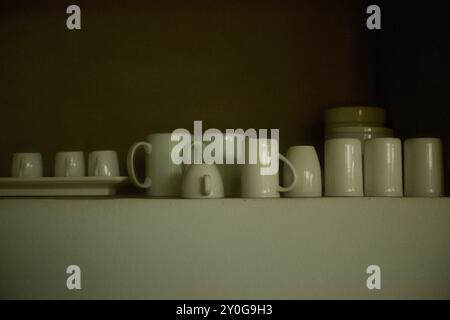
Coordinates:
414 70
142 67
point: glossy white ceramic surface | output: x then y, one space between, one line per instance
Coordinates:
27 165
254 183
202 181
343 168
103 163
162 176
307 166
383 176
70 164
424 168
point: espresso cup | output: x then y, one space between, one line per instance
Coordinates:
202 181
383 168
27 165
307 166
70 164
104 163
257 180
424 168
343 168
162 176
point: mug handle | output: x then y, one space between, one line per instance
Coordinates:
207 185
130 164
294 174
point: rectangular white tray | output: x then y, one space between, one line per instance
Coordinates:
60 186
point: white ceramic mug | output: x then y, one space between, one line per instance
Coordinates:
27 165
202 181
424 167
70 164
343 168
254 183
162 176
103 163
383 168
307 166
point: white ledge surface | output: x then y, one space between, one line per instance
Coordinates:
226 248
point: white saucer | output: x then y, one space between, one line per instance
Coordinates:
61 186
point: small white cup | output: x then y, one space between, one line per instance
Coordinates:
424 167
254 183
307 166
343 168
383 168
104 163
70 164
202 181
27 165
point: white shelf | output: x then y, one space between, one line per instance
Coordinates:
229 248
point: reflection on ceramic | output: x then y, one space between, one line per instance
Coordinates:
70 164
254 183
355 116
27 165
424 168
162 176
103 163
202 181
383 168
343 168
307 166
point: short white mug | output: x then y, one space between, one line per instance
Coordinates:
103 163
424 167
27 165
202 181
307 166
70 164
343 168
254 183
162 175
383 168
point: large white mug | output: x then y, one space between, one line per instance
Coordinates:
103 163
424 167
27 165
343 168
259 184
162 175
307 167
383 168
70 164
